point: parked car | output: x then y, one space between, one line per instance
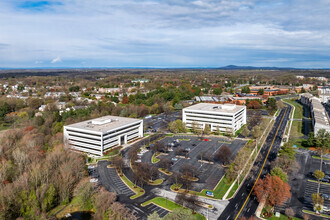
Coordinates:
150 146
174 159
187 149
194 145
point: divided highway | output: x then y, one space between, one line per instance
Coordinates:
245 203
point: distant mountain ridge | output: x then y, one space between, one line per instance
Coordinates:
234 67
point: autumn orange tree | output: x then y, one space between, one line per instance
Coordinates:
272 190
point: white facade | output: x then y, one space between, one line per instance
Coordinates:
320 118
101 134
227 117
324 93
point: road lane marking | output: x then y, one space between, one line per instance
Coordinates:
247 198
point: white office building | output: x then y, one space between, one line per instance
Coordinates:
101 134
320 118
324 94
228 117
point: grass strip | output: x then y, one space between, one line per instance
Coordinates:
313 213
156 182
154 158
166 172
314 181
317 157
137 190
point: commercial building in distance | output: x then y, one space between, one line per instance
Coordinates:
324 94
320 118
225 117
101 134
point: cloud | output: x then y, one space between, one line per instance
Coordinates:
56 60
164 33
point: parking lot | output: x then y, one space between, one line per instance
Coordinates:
161 212
110 179
208 174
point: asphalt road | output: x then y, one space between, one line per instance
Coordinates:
245 203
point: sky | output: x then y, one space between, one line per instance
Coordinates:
164 33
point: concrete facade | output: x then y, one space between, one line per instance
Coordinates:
102 134
226 117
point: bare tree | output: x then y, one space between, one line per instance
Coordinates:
118 162
224 154
289 212
103 200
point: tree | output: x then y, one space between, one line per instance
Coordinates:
271 102
272 190
207 129
118 162
245 131
154 216
165 163
154 174
256 132
277 171
103 200
192 201
261 91
289 212
217 91
318 201
288 149
177 126
84 192
196 128
318 174
179 213
246 89
181 198
254 104
224 154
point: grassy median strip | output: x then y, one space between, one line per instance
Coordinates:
168 205
324 158
154 158
156 182
313 213
166 172
315 181
138 190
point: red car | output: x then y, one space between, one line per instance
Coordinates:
206 139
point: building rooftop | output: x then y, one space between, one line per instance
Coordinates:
103 124
225 108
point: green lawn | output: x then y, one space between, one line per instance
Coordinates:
169 205
298 113
233 190
156 182
296 129
138 190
